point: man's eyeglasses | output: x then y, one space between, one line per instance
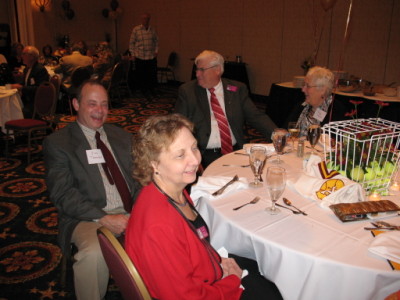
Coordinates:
204 69
307 86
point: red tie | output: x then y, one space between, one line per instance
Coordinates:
223 126
114 174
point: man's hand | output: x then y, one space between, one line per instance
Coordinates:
229 266
115 223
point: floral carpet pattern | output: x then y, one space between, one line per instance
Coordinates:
30 259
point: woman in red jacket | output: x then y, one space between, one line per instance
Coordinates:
166 238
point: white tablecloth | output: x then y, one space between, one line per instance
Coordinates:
10 106
308 257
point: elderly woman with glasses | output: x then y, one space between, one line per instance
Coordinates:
166 238
318 107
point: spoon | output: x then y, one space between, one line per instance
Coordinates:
289 203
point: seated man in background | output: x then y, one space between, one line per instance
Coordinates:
219 109
69 63
88 193
33 75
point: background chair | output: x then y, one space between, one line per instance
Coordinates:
56 81
119 80
79 75
163 72
121 267
43 119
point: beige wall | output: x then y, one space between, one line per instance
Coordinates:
272 36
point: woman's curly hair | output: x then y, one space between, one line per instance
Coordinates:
156 134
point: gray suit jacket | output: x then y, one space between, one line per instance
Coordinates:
76 187
193 103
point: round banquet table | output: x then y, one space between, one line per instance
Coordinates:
308 257
10 106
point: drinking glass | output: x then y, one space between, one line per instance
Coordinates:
294 132
279 140
275 181
257 157
313 134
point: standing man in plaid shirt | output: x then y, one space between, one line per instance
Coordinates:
143 46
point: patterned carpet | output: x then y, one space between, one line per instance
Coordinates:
29 255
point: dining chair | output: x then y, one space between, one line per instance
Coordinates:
163 72
119 80
42 122
122 269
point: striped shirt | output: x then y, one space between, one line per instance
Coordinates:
114 201
143 43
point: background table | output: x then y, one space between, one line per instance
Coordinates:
284 97
308 257
10 106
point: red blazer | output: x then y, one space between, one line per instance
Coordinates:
170 257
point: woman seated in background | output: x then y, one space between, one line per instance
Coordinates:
318 107
166 238
47 58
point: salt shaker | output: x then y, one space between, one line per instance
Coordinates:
300 148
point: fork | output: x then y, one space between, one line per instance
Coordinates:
221 190
254 201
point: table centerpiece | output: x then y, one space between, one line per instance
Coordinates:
364 150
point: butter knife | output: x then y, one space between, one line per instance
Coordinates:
221 190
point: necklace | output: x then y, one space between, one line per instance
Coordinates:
170 198
180 204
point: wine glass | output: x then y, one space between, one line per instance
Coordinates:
313 134
257 157
276 182
294 132
279 140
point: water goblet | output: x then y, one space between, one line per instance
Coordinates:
279 140
275 180
294 132
257 157
313 135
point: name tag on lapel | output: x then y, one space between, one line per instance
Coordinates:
95 156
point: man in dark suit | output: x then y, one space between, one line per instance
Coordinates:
34 74
81 189
194 102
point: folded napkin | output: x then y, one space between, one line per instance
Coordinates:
206 185
326 186
269 147
387 245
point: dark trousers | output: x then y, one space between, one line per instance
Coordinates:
146 74
209 155
257 287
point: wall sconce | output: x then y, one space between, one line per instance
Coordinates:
42 4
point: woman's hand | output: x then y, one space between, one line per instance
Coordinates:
230 267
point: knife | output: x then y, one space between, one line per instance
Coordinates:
221 190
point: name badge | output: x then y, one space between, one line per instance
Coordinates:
319 114
95 156
202 232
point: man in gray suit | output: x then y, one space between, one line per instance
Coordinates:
194 102
80 189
